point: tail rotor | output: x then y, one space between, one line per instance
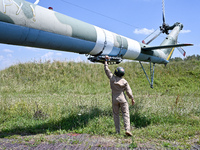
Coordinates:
164 28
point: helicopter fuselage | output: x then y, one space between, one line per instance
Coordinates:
26 24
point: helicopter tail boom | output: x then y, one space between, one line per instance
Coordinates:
166 48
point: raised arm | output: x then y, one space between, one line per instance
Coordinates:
107 70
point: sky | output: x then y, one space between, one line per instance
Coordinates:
134 19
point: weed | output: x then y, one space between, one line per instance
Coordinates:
165 144
133 144
99 145
27 139
75 142
52 142
198 140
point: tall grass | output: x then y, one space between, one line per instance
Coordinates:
62 97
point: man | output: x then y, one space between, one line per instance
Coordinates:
118 85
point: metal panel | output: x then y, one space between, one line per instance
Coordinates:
18 35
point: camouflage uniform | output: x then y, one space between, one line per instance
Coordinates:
118 85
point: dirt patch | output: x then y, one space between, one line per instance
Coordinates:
64 141
72 141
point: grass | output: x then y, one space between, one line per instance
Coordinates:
64 97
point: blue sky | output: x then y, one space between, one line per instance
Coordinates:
131 18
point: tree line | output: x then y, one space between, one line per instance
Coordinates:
192 57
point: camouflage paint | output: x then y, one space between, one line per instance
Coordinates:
5 18
79 29
27 24
42 20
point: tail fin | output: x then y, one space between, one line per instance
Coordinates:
168 45
171 39
168 49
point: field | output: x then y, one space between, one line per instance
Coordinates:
65 97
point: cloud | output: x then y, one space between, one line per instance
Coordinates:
9 55
146 31
58 54
143 31
32 49
7 51
185 31
48 56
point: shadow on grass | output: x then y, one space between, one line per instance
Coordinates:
139 120
72 122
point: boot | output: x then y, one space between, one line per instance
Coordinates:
128 133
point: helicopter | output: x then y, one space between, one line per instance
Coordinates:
28 24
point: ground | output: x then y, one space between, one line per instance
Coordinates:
76 141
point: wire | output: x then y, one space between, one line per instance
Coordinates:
99 14
102 15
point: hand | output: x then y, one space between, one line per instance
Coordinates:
107 57
133 102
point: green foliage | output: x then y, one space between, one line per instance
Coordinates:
133 144
62 97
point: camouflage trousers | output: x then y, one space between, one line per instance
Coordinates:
116 105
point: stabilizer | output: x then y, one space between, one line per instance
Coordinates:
149 48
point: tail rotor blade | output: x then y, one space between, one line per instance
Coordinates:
182 51
36 2
163 11
151 37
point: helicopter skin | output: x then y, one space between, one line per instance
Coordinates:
27 24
